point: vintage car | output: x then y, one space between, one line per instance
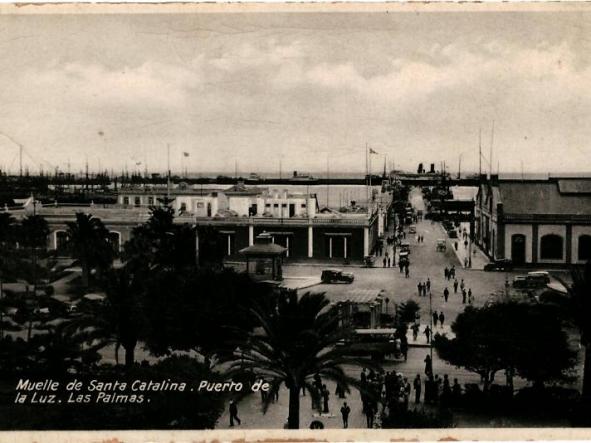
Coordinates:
412 229
499 265
336 276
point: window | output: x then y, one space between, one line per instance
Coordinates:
150 201
551 247
284 205
268 205
303 205
276 205
125 200
137 201
585 247
183 207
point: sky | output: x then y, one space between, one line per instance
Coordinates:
249 90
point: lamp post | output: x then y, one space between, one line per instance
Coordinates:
431 322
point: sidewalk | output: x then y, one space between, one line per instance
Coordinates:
479 259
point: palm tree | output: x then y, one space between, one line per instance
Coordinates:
124 311
299 339
89 243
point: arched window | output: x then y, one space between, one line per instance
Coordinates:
551 247
585 247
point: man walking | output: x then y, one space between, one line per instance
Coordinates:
418 387
427 333
463 296
428 285
446 294
345 410
415 331
456 286
441 318
428 366
420 288
435 318
233 413
406 272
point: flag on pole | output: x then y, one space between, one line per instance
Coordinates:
371 151
186 154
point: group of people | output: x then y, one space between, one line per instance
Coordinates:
420 239
387 261
424 288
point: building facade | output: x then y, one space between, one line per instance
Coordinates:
237 215
535 221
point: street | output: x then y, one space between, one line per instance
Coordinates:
426 262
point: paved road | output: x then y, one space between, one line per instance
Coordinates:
426 262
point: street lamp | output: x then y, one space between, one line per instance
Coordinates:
431 321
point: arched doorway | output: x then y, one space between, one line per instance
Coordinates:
518 249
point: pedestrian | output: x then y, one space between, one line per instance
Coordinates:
406 271
325 395
441 318
469 293
415 331
369 414
384 260
465 262
420 288
407 390
388 261
452 272
435 318
446 273
234 413
424 289
463 296
404 347
418 387
462 284
345 410
456 286
427 333
363 376
446 294
428 366
428 285
401 266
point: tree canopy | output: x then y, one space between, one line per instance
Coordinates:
524 337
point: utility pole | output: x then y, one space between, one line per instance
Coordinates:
20 160
168 172
492 139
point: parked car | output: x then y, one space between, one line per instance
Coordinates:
336 276
536 281
541 276
441 245
412 229
499 265
405 247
